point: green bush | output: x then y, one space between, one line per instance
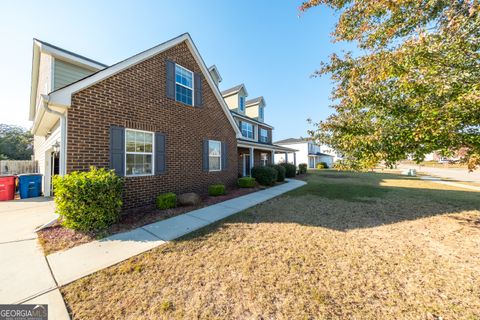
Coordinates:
266 176
88 201
216 190
302 168
280 172
166 200
290 170
246 182
322 165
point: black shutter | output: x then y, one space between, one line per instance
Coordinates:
205 155
160 161
117 150
224 156
170 79
198 89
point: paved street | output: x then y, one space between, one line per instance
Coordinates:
449 173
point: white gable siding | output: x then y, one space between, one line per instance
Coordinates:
66 73
44 85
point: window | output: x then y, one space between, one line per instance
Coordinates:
263 159
139 152
260 113
247 130
214 155
263 135
241 104
183 85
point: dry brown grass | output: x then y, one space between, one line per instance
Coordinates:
382 252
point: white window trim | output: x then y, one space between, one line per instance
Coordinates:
262 160
180 84
261 136
253 131
145 153
219 157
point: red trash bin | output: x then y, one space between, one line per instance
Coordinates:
7 188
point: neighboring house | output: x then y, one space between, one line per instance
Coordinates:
307 152
156 118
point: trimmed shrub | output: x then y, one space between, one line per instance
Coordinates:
266 176
322 165
246 182
166 201
290 170
302 168
280 172
88 201
216 190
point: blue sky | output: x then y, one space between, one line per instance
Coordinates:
264 44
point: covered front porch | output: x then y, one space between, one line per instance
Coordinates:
251 154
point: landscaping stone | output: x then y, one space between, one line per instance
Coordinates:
189 199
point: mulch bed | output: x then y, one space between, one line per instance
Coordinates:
57 237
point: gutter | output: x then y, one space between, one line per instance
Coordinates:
63 133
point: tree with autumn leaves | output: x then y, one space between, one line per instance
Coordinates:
416 88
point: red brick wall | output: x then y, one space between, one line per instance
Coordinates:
256 157
135 98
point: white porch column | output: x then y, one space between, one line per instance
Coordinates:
286 157
273 157
252 155
295 159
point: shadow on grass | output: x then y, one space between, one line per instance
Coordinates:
345 201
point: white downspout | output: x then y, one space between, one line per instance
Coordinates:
63 134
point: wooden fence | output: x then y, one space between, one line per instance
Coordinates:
18 166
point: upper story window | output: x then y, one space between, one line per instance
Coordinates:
260 113
183 85
241 104
247 130
263 135
214 155
138 152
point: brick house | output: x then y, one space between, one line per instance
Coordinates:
157 118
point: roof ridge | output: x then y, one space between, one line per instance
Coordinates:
70 52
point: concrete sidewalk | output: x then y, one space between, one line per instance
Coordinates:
25 276
80 261
450 183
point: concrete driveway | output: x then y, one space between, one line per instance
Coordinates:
25 276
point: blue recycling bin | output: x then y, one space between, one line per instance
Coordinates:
30 185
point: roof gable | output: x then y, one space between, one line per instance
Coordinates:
256 101
235 90
63 96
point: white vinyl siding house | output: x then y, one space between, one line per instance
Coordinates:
307 152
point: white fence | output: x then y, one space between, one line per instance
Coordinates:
18 166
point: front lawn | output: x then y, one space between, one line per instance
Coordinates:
347 245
